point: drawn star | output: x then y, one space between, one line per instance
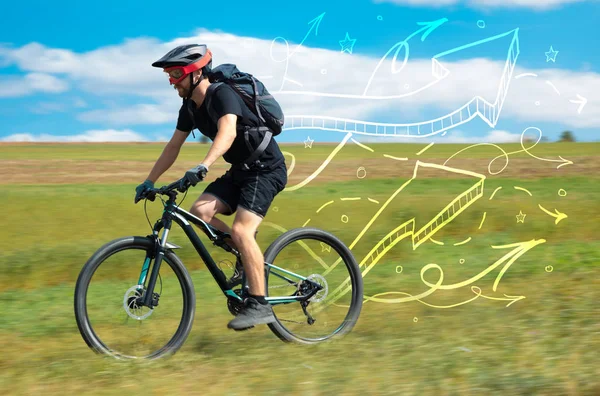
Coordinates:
521 217
551 55
325 248
347 44
308 142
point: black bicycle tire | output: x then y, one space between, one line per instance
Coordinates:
356 279
90 267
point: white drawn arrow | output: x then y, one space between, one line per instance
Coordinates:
582 102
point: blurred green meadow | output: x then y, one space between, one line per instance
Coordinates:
537 333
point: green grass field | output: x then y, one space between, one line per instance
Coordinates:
62 202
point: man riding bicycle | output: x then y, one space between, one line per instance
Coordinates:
246 189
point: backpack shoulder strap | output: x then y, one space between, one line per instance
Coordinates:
212 88
252 160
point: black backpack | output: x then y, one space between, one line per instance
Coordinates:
257 99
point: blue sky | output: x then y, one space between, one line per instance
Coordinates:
81 70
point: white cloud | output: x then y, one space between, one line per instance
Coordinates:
113 71
108 135
31 83
534 4
133 115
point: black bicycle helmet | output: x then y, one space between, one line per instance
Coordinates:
186 59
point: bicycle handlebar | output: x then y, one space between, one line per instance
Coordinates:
180 185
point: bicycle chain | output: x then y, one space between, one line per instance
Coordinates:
288 285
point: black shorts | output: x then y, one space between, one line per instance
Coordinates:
251 190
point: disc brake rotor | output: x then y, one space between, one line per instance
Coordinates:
131 306
321 294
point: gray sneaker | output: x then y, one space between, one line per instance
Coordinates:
252 314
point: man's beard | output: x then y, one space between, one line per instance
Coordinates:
183 93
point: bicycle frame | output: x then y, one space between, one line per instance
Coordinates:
183 218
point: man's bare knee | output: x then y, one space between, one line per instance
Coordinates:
239 233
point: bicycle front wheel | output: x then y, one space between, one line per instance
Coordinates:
109 317
298 260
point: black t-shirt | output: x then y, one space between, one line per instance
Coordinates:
226 101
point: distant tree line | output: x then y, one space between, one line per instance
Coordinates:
567 136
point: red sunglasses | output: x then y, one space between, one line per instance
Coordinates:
178 73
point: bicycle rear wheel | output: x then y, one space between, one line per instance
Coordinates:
304 254
109 318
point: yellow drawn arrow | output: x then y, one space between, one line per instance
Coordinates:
559 215
474 289
518 249
508 259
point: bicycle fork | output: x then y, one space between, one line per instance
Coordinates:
149 299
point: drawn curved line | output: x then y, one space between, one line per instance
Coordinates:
314 25
508 259
325 204
400 45
375 298
495 191
523 189
305 223
427 27
425 148
482 220
474 289
436 242
354 96
323 165
293 164
351 199
505 154
286 60
294 81
395 158
463 242
526 75
553 86
373 200
422 129
362 145
338 292
523 149
526 149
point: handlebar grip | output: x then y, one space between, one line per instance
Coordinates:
151 195
183 185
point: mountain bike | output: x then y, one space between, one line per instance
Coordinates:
129 304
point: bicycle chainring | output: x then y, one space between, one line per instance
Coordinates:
235 306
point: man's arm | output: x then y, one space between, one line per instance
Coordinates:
168 156
226 133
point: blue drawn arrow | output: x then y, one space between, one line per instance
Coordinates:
427 28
